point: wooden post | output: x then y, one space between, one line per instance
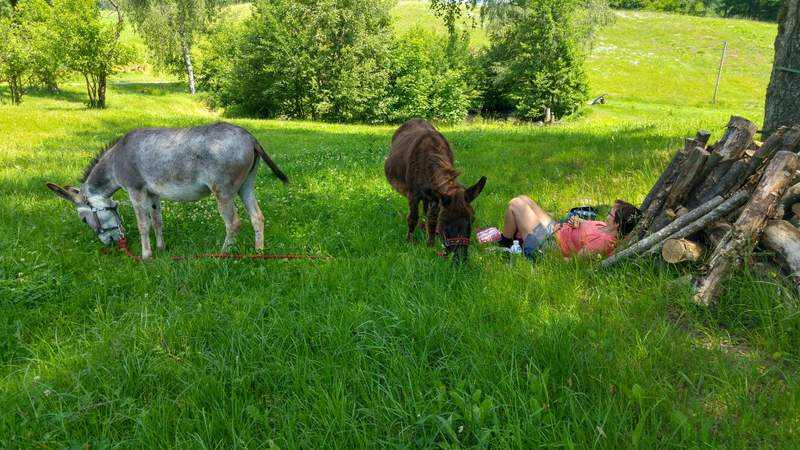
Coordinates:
719 72
548 117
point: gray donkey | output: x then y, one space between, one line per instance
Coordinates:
183 164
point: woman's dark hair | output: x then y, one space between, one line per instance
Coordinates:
626 216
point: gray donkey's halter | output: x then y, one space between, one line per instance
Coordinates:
103 227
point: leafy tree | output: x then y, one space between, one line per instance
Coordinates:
47 57
325 59
15 50
535 59
170 27
91 43
424 83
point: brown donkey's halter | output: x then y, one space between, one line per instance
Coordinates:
455 241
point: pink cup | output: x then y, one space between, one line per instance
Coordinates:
488 235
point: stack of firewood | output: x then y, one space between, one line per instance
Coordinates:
715 203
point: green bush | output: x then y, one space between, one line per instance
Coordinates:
426 80
696 7
534 61
755 9
324 60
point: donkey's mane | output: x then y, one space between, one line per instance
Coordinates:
445 174
96 159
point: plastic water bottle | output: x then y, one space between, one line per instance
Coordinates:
515 248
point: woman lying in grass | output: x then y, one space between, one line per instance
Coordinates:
576 237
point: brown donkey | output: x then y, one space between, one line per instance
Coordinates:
420 167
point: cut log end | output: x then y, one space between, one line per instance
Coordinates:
677 251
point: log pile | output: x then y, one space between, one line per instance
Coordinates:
714 204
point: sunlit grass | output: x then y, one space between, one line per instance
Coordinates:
384 345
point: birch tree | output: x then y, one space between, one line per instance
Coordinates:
169 28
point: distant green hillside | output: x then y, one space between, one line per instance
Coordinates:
652 57
673 59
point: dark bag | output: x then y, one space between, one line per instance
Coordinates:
584 212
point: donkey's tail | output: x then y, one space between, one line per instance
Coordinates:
278 173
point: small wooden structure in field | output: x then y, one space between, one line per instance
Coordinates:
715 203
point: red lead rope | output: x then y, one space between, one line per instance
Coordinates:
122 246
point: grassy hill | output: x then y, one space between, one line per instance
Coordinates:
386 345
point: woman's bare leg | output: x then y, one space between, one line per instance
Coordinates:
544 217
521 217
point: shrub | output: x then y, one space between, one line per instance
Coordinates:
427 80
535 61
324 60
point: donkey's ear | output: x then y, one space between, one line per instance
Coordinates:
69 194
475 190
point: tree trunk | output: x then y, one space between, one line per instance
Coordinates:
680 250
747 229
783 93
52 85
15 85
101 91
187 57
90 90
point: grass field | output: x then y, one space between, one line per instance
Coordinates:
385 345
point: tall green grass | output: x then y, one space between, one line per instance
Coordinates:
385 345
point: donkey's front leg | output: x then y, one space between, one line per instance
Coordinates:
140 207
432 220
155 217
227 209
413 216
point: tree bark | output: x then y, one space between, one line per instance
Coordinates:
783 93
738 137
689 176
791 197
653 204
681 250
715 232
187 57
747 228
101 91
784 239
665 175
15 86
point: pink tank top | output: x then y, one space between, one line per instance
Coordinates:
591 235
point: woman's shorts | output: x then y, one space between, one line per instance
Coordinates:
534 245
